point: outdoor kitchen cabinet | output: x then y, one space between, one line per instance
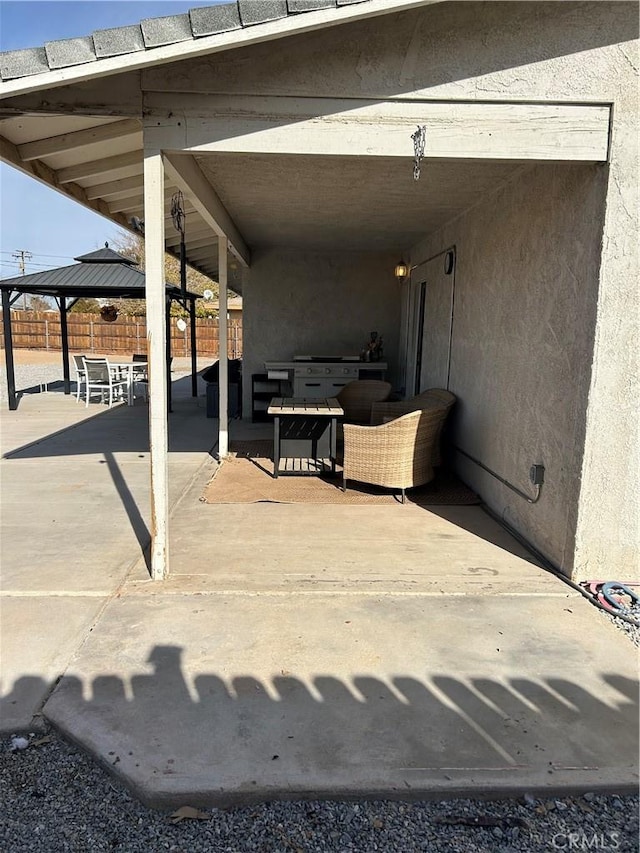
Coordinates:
263 390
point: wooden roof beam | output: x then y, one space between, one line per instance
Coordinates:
46 175
129 160
66 142
186 174
247 124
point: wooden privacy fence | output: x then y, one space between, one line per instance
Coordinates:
89 334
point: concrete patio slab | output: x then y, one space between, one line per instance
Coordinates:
75 522
218 699
38 636
453 550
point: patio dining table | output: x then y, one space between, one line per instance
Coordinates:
127 370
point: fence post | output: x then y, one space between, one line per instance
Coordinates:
91 349
46 333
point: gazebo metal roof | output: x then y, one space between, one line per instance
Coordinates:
100 274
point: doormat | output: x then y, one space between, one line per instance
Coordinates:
246 476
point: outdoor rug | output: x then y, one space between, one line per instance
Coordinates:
246 476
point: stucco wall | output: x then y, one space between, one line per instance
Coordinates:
526 290
300 302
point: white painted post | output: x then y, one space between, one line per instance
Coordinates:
223 360
156 348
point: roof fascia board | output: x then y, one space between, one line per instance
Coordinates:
291 25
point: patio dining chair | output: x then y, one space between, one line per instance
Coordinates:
100 377
140 375
140 372
81 376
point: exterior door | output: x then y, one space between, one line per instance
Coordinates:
435 316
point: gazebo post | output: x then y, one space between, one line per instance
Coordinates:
168 334
64 335
194 354
8 350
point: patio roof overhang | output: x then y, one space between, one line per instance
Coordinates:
78 117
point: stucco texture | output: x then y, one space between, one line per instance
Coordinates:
317 303
525 297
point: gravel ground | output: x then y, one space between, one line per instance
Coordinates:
632 631
55 798
29 376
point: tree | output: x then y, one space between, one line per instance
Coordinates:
85 305
132 246
39 303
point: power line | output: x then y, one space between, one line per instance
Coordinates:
31 264
41 255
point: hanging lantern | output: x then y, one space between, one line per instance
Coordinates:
109 313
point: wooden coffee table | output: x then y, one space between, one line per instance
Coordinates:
304 435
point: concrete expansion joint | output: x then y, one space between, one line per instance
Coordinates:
63 593
152 588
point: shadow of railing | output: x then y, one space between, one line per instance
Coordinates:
229 738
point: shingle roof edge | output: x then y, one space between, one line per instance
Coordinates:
152 33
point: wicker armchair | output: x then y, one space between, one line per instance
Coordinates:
357 397
397 454
433 398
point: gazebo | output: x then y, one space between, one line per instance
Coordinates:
103 274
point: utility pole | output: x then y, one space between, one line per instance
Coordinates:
22 256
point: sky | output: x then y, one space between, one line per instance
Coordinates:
39 220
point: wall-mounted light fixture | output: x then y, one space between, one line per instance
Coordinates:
401 271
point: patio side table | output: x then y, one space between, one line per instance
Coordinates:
304 435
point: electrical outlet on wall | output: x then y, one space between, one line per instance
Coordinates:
536 474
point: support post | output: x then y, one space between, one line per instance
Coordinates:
8 350
168 337
194 353
64 337
223 359
157 358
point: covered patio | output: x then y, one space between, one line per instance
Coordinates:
448 664
304 188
